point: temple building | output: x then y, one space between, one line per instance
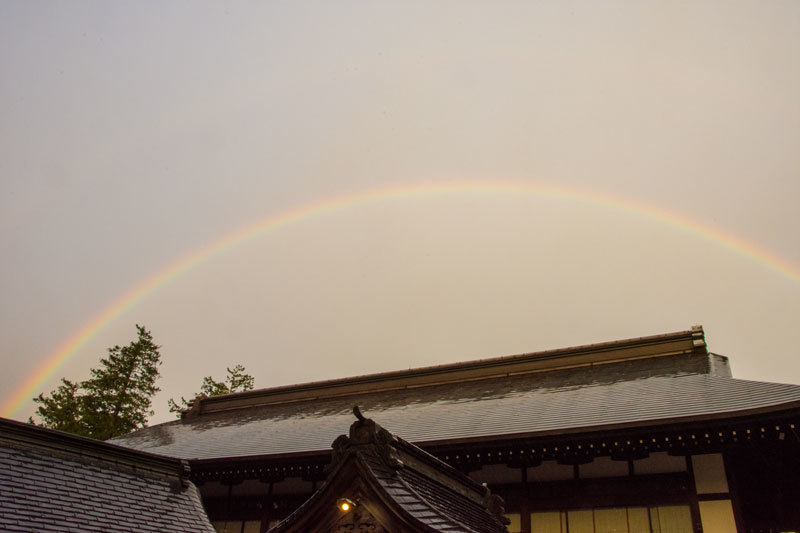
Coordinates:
641 435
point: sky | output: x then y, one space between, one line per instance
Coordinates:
324 189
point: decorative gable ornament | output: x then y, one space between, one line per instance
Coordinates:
379 483
358 520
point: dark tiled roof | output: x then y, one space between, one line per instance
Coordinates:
52 481
428 493
440 507
632 393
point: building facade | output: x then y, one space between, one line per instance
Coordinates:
642 435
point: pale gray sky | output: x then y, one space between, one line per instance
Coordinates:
134 134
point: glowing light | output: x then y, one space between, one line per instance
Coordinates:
345 504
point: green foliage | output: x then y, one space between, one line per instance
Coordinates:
62 408
237 381
114 401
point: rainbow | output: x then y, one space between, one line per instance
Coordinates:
44 372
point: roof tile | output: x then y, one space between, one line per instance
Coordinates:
59 492
579 399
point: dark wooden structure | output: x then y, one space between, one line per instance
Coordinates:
643 435
380 483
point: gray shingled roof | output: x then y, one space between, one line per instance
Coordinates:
429 494
583 399
438 507
44 488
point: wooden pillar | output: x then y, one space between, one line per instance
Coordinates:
524 509
266 515
694 508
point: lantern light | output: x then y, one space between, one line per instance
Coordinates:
345 504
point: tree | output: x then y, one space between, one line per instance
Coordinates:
237 381
61 410
114 401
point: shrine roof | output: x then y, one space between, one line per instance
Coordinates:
379 470
54 481
639 382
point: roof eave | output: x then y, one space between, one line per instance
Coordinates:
664 424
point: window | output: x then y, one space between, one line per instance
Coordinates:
656 519
516 525
237 526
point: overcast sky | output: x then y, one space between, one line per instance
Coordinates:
135 134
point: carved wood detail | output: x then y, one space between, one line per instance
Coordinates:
358 521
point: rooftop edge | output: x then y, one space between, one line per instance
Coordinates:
690 341
30 436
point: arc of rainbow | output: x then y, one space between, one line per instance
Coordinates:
32 385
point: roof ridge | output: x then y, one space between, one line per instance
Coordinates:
690 341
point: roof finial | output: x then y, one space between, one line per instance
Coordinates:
357 412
